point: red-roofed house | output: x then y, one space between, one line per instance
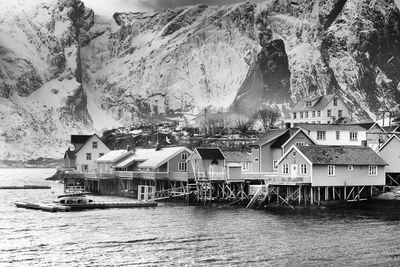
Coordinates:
319 109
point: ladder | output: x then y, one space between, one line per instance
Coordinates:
258 198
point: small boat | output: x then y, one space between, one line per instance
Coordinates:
71 199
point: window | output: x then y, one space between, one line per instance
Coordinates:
337 135
245 166
335 102
373 170
350 168
301 115
275 164
184 156
321 135
299 143
285 169
306 114
85 168
182 166
308 104
94 144
294 115
319 113
294 154
255 160
88 156
331 170
353 136
340 113
328 112
303 168
313 113
101 154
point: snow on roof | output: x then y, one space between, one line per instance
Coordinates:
330 127
113 155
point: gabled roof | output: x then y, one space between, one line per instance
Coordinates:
156 158
114 155
270 135
391 128
320 102
341 155
87 141
237 156
369 125
393 136
284 138
79 139
210 153
330 127
70 154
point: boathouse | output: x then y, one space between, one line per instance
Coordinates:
242 159
69 159
267 150
375 134
208 163
390 152
326 173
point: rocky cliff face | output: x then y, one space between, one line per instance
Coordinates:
64 68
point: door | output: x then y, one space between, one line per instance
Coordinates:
294 170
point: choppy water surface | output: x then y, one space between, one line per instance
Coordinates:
180 235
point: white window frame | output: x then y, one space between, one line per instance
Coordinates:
294 154
353 136
350 168
285 169
305 114
323 137
274 164
331 170
88 156
300 144
182 166
184 156
340 113
95 145
372 170
294 115
329 113
313 113
335 102
85 168
337 135
319 113
303 168
245 166
301 115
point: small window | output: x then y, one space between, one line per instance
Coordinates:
182 166
306 114
94 144
285 169
275 164
294 115
299 143
335 102
303 168
319 113
301 115
101 154
329 113
337 135
184 156
353 136
308 104
340 113
313 113
350 168
88 156
321 135
373 170
331 170
255 159
294 154
85 168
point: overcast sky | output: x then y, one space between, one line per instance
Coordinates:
109 7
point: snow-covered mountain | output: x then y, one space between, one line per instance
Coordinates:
65 70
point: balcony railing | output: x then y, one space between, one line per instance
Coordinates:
289 179
142 175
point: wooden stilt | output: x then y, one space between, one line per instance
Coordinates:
319 195
299 195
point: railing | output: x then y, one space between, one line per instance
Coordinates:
96 175
288 179
259 175
211 175
142 175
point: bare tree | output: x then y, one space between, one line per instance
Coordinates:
245 122
268 115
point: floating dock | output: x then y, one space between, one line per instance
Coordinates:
26 187
95 205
